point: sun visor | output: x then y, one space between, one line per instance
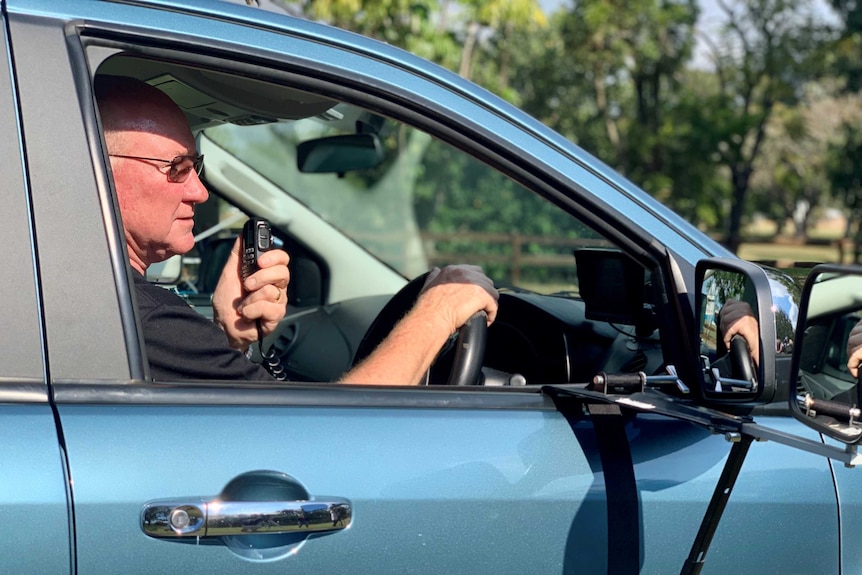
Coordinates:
209 97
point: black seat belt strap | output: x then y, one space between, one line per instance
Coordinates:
623 507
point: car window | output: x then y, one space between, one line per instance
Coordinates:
425 204
364 202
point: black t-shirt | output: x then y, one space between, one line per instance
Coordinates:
182 344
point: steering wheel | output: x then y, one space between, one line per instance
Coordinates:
741 361
461 361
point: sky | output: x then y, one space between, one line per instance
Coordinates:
711 16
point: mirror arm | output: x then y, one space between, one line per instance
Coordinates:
847 455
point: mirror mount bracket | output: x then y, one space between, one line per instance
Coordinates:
628 383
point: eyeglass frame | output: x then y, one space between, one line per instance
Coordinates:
197 164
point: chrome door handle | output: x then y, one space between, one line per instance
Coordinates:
189 518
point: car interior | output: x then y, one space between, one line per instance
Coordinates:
364 202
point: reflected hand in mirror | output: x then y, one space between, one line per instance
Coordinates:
854 349
737 318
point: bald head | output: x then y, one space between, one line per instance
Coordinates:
129 105
145 132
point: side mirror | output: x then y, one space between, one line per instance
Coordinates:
339 154
735 331
823 393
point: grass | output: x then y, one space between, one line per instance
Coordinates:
795 259
786 255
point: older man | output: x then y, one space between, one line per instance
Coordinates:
155 167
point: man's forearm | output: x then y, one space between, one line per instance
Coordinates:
406 353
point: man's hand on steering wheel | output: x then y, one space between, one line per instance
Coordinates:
405 338
457 292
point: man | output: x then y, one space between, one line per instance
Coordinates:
155 167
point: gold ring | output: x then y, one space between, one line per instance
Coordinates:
278 297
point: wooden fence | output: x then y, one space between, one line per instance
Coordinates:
515 257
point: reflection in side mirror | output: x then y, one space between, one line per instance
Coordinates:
825 394
729 334
339 154
734 319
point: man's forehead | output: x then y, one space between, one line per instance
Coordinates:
141 124
156 134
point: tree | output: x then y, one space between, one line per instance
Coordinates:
845 155
845 173
627 55
793 173
612 77
501 20
762 58
846 52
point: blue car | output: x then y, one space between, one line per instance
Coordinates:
598 431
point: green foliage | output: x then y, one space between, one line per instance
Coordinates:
616 77
462 198
846 52
845 167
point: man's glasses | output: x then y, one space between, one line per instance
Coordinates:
178 169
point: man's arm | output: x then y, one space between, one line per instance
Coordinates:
236 310
450 297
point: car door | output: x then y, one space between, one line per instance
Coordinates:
391 480
36 529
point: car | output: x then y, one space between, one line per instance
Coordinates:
597 433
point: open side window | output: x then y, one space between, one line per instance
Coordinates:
365 201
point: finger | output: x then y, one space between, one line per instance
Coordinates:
256 303
278 276
232 262
491 312
854 341
273 258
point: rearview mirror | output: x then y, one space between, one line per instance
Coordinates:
339 154
735 331
823 393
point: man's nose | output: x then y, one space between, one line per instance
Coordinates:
195 191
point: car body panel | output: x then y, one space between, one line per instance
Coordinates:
848 484
65 196
492 490
36 529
